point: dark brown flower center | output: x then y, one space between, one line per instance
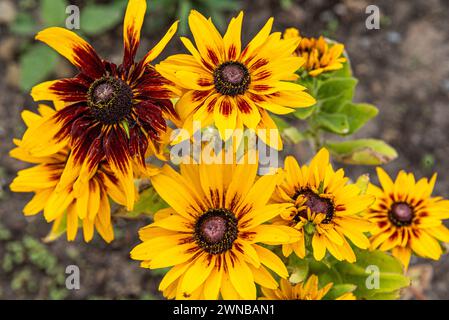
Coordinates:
231 78
316 204
401 214
216 230
110 100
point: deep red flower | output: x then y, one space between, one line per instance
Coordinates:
113 113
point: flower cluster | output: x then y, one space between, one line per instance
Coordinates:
225 231
320 56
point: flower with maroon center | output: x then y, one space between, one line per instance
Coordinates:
211 234
235 87
216 230
325 208
406 218
112 112
401 214
310 200
67 199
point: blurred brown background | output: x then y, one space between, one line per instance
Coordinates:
402 68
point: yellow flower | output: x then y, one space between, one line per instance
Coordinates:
407 218
232 86
319 56
113 113
302 291
323 205
212 233
64 191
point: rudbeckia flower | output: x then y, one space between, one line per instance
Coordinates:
232 86
307 290
325 206
112 113
67 197
212 233
407 218
319 55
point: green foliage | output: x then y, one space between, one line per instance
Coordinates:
99 18
5 234
391 274
53 12
362 152
362 183
299 269
59 231
37 63
288 132
354 277
180 9
358 114
304 113
336 123
335 112
149 203
23 25
22 259
339 289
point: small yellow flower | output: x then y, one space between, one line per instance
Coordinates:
319 55
66 192
325 206
232 86
212 232
302 291
407 218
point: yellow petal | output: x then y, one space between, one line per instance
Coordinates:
74 48
157 49
271 261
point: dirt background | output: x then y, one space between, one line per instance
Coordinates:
402 68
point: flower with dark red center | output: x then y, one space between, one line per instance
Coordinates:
232 86
325 207
111 112
401 214
316 204
68 199
216 230
407 218
211 234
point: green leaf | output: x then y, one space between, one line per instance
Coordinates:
335 92
304 113
362 152
280 123
220 5
55 233
24 24
299 268
358 114
362 183
390 273
36 65
336 123
293 134
395 295
98 18
336 86
338 290
149 203
53 12
325 272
